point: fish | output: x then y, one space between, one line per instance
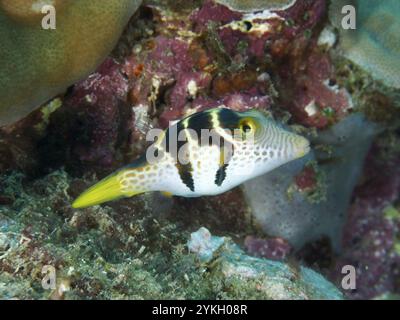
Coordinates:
204 154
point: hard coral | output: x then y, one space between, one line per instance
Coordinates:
37 64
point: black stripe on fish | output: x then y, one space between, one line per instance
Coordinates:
226 153
228 119
204 120
185 169
199 121
220 175
185 173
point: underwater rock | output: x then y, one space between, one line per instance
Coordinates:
202 243
97 104
206 66
375 42
171 76
286 210
211 11
93 123
273 248
37 64
271 279
310 92
86 248
236 39
297 66
256 5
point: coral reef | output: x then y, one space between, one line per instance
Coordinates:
128 250
338 206
103 120
37 64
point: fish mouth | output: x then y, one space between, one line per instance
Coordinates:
302 147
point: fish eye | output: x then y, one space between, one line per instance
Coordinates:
247 126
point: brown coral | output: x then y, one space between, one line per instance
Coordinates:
37 64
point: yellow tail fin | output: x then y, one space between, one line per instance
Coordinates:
107 189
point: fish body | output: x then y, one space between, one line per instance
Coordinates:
206 153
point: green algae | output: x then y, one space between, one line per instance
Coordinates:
141 258
391 213
318 193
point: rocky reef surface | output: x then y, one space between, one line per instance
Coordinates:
272 279
339 206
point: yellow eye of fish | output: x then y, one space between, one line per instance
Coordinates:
247 126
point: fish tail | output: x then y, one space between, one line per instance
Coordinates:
108 189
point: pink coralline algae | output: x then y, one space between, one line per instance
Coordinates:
176 74
212 12
307 179
286 47
87 128
304 15
273 248
311 93
258 32
370 239
170 74
98 99
210 67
